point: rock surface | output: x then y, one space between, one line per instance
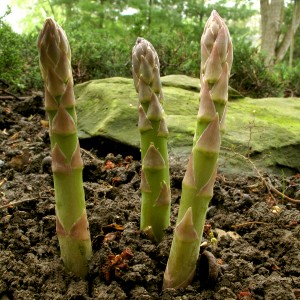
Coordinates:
266 130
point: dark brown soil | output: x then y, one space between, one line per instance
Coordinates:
258 235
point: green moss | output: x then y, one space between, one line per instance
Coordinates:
108 107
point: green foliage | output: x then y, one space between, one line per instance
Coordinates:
11 61
249 75
177 53
18 60
290 77
31 78
102 36
99 58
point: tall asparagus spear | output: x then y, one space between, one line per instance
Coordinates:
198 182
155 178
71 220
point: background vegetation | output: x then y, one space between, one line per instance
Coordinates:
103 32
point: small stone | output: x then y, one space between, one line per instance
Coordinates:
233 235
46 165
276 209
28 188
247 200
211 211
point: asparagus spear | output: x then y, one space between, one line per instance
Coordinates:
155 178
198 182
71 220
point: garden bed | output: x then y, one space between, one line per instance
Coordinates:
258 234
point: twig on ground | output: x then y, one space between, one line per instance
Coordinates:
88 153
7 92
13 203
270 187
7 98
273 189
13 97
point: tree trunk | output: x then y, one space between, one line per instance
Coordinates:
149 13
201 14
289 36
271 17
291 56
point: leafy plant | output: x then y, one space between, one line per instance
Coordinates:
11 60
249 75
18 60
290 76
105 56
71 220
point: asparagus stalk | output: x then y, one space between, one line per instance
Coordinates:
155 178
71 220
198 182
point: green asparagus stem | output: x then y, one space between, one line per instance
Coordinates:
71 220
155 178
198 183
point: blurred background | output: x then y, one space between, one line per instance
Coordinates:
265 34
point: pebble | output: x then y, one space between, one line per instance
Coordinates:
247 198
46 165
211 211
231 234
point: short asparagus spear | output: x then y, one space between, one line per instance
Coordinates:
155 179
198 182
71 220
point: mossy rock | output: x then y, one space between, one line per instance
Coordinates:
267 130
